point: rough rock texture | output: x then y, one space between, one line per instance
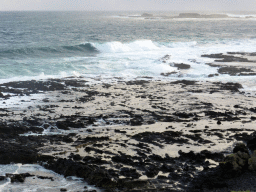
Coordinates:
132 135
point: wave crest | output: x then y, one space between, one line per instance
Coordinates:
119 47
86 48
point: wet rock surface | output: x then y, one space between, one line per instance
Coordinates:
132 136
233 63
181 65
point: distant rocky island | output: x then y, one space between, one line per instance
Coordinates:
184 15
197 15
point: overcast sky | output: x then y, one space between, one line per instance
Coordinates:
116 5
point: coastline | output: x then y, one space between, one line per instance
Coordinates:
132 135
126 101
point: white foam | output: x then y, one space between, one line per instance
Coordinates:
118 47
21 101
143 58
241 15
36 184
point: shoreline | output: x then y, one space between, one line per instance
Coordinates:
129 135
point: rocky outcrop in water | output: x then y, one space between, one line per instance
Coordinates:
197 15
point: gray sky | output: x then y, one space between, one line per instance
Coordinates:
116 5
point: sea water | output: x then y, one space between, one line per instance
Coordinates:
37 45
104 45
52 182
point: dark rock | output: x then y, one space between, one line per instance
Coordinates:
119 131
226 58
253 118
166 168
168 74
18 177
62 125
76 157
234 70
185 82
251 144
42 177
138 120
137 82
151 171
125 159
181 66
94 160
2 178
240 147
184 115
128 172
67 139
92 174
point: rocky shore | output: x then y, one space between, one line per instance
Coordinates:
139 135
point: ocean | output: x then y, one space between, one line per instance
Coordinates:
106 46
41 45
